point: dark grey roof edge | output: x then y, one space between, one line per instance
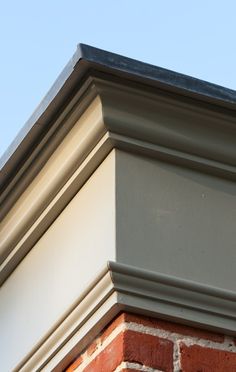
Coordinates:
159 74
118 64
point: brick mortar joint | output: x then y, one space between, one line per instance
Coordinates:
176 338
176 357
137 366
227 345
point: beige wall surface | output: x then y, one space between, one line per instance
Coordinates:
176 221
57 270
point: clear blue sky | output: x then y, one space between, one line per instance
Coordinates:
197 38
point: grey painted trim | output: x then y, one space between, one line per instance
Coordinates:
185 301
168 280
169 128
201 132
134 120
173 156
121 287
88 58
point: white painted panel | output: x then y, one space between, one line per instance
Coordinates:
176 221
55 272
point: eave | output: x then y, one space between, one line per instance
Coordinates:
85 60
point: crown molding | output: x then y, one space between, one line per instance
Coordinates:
170 127
86 59
106 114
121 287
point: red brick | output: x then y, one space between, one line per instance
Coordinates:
202 359
134 347
110 358
149 350
173 327
112 326
131 346
74 365
92 347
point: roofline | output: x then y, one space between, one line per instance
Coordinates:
87 57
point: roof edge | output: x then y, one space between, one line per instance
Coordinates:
118 65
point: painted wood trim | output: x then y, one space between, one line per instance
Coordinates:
177 130
132 118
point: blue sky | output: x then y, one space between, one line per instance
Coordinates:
37 39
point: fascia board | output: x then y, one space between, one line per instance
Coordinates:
125 288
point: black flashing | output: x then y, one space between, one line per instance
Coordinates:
154 74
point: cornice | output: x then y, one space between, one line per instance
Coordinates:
121 287
87 58
134 118
170 127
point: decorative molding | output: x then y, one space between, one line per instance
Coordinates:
122 116
122 287
180 299
173 156
79 67
170 127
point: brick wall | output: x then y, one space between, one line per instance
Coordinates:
137 343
